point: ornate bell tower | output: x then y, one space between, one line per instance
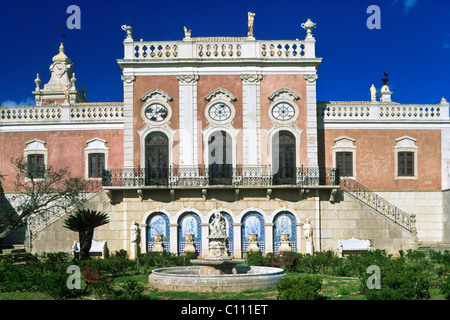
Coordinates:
61 87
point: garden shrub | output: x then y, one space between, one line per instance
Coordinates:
322 262
55 284
133 290
54 257
103 290
301 288
256 259
21 277
164 259
114 265
445 287
399 281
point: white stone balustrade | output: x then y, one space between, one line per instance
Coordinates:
73 113
219 48
382 112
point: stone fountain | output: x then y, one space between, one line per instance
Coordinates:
217 260
216 272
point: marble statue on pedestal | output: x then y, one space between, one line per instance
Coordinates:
134 238
309 237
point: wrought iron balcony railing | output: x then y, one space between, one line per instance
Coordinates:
219 175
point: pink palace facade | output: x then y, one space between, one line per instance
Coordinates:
234 123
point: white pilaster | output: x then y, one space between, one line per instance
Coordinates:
173 230
128 132
268 235
237 242
188 119
311 114
205 240
251 85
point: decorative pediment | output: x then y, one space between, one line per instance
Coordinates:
36 144
220 93
344 142
96 143
406 142
155 93
284 93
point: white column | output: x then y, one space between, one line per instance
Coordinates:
128 132
237 241
205 240
268 237
173 230
311 114
188 119
251 85
299 233
144 239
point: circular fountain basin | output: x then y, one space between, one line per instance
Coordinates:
190 279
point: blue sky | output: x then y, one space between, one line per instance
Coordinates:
413 44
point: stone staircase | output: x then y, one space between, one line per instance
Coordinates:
12 249
379 204
435 247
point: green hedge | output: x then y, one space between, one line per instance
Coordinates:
304 288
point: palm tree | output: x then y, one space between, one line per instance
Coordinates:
84 221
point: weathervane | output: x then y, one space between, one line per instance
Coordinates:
62 35
385 79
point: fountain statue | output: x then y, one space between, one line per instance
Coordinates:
217 260
216 272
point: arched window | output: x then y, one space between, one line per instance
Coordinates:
284 223
189 223
158 224
283 158
156 159
220 158
253 223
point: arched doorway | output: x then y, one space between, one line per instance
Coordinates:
156 159
158 223
283 158
253 223
284 223
220 158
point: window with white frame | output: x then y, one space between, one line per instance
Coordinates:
96 158
35 155
405 159
344 157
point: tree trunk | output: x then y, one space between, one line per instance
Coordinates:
5 233
85 243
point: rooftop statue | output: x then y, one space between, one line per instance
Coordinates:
251 19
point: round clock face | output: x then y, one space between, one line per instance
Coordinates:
219 112
156 112
283 111
59 69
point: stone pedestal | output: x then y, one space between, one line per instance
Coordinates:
253 243
285 247
217 250
158 245
189 247
134 250
309 247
